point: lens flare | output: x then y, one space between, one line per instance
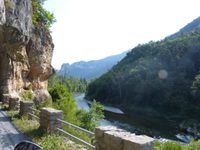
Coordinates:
162 74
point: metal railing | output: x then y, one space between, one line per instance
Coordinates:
91 134
34 115
35 110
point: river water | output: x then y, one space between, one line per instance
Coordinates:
113 116
82 104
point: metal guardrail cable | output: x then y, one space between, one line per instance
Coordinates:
34 116
76 138
77 127
34 109
65 132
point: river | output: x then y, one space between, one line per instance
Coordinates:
83 104
115 117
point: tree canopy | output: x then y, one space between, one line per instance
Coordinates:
41 16
73 84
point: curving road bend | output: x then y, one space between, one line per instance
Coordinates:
9 135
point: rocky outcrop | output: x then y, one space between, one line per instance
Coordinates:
25 51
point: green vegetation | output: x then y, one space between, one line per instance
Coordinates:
89 120
26 95
74 85
48 142
62 100
160 76
46 103
177 146
41 17
167 146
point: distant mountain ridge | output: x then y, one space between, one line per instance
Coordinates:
90 69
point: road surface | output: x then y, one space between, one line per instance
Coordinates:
9 135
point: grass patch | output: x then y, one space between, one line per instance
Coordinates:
77 133
194 145
167 146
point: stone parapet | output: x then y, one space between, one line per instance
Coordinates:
112 138
6 98
14 103
48 119
25 107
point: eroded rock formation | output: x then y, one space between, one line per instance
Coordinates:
25 51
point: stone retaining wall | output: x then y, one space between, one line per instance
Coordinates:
14 103
25 107
107 137
112 138
6 98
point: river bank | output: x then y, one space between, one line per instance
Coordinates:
138 124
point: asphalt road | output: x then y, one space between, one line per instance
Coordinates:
9 135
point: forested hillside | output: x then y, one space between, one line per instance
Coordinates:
195 24
158 78
72 84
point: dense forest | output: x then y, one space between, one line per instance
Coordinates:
156 79
73 84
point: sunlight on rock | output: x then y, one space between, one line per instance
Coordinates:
162 74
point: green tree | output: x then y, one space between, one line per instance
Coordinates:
89 120
74 85
196 86
62 100
41 16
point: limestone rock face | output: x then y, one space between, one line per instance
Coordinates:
25 50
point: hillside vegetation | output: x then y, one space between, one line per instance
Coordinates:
73 84
159 78
61 90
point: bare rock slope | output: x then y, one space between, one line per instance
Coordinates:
25 51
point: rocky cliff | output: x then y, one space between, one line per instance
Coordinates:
25 51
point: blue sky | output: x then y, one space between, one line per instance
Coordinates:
93 29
